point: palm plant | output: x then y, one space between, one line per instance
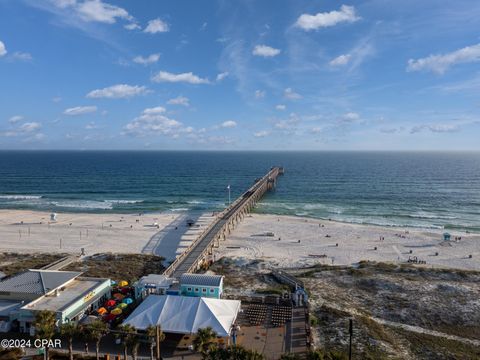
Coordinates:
126 332
289 356
155 335
84 332
97 330
45 322
134 342
233 352
69 331
204 340
319 354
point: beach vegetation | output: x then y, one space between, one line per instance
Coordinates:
97 330
12 263
128 267
45 323
69 331
204 341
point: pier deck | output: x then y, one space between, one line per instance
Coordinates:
193 256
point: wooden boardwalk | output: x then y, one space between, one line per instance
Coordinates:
225 221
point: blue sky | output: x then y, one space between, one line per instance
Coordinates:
246 75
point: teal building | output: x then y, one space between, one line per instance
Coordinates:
201 285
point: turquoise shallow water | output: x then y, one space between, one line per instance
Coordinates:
434 190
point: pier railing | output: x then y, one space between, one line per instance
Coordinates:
229 216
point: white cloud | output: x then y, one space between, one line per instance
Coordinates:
153 58
313 22
436 128
291 95
98 11
3 49
350 117
228 124
35 137
154 124
259 94
22 56
132 26
260 134
63 3
389 130
179 100
91 126
316 130
280 107
154 111
80 110
164 76
222 76
265 51
56 99
29 127
440 63
156 26
340 60
289 125
118 91
14 119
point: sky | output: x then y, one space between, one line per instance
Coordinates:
240 75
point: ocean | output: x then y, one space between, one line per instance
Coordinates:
429 190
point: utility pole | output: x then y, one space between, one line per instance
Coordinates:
350 330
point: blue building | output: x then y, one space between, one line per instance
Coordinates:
201 285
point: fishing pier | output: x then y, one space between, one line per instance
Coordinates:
193 257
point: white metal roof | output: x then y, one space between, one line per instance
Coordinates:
185 315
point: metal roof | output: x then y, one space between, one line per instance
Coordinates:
38 282
201 279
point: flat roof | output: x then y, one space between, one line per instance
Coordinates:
78 288
158 280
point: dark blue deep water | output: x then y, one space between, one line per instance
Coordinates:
415 189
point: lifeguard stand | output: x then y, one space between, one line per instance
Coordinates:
446 236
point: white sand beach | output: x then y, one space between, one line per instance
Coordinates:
299 238
161 233
302 237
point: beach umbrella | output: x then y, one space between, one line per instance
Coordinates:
110 303
127 301
109 317
122 306
113 283
101 311
125 290
116 311
118 296
123 283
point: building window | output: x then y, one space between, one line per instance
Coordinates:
189 289
212 291
197 290
204 290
